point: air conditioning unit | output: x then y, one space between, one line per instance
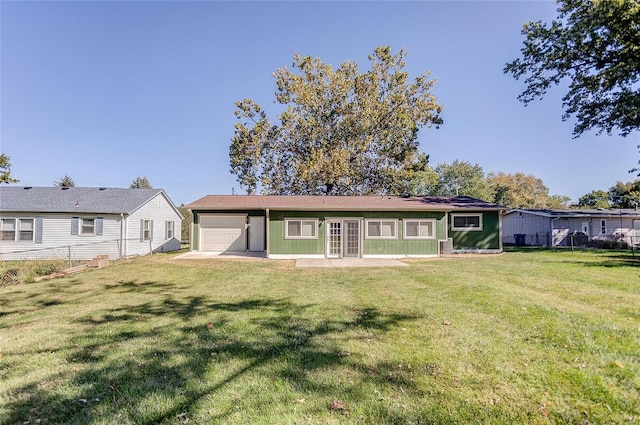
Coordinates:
446 247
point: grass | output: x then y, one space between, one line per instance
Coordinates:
533 337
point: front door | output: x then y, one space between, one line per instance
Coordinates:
343 238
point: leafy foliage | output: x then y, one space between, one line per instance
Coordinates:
141 183
523 191
461 178
342 132
5 170
65 181
620 195
595 45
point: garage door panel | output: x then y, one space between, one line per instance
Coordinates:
223 233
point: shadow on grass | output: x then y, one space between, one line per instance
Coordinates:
160 362
599 257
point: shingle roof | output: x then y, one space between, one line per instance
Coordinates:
339 203
73 199
575 213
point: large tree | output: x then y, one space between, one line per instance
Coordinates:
520 190
594 46
5 170
461 178
342 131
140 183
65 181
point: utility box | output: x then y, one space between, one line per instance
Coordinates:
446 247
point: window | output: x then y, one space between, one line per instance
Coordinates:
147 226
87 226
471 222
603 226
419 229
301 229
8 229
381 229
169 229
26 229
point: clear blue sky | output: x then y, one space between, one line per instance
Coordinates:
108 91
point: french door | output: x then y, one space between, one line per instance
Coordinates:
343 239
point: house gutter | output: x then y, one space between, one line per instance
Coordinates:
121 234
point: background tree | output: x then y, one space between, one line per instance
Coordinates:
595 199
620 195
522 191
186 222
140 183
5 170
65 181
461 178
594 45
342 132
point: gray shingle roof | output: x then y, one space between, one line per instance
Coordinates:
340 203
73 199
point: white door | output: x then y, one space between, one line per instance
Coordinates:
585 228
343 238
636 232
223 233
256 234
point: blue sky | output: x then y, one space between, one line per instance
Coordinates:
106 91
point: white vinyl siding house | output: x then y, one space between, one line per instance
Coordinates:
89 222
554 227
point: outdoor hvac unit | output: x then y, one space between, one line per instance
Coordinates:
446 247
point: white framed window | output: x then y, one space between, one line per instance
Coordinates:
87 226
603 227
471 222
147 229
381 229
8 229
300 229
419 229
25 229
168 225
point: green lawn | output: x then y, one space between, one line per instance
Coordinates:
522 338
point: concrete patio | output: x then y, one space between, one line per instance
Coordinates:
301 262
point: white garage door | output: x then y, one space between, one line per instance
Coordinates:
223 233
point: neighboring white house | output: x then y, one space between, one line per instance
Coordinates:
82 222
554 227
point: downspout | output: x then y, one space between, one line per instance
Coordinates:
266 230
500 214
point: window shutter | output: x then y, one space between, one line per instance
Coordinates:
99 226
74 225
151 230
38 230
141 230
166 230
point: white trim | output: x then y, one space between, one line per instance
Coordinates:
81 225
400 256
468 229
300 219
381 220
419 220
294 256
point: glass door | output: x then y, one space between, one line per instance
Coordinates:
352 238
334 242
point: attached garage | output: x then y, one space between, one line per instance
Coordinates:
223 233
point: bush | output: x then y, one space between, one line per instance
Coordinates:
607 244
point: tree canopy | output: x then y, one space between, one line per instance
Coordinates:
594 45
523 191
461 178
342 131
5 170
620 195
65 181
140 183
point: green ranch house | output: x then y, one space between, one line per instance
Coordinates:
289 227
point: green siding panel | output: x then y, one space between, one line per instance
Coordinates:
488 238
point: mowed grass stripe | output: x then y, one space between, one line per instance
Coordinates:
526 337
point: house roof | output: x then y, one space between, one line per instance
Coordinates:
97 200
571 213
340 203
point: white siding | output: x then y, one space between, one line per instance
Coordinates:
57 239
536 228
160 211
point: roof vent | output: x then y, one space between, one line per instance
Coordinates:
65 188
28 187
102 188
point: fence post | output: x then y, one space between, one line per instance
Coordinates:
69 256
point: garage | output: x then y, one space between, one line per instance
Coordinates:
223 233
